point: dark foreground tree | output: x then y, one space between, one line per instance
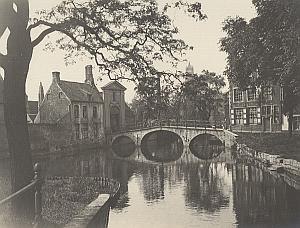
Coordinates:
267 49
126 39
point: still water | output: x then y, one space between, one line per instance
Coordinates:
187 193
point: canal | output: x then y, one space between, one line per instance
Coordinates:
187 192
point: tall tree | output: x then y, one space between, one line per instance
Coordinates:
266 49
202 91
124 37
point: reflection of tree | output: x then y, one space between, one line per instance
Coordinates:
162 146
153 183
205 189
260 198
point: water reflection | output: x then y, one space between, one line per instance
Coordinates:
123 146
195 194
261 199
206 146
205 187
162 146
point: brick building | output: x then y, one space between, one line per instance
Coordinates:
78 105
258 109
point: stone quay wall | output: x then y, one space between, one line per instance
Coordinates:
289 165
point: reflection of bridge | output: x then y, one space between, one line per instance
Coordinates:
186 130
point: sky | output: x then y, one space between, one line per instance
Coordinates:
204 36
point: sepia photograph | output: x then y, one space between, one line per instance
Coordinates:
149 113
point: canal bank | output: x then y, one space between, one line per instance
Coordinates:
277 151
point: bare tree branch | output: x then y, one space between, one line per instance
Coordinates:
42 36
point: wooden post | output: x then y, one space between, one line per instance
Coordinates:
38 195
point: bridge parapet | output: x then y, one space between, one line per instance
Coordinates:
186 133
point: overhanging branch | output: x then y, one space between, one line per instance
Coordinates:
42 36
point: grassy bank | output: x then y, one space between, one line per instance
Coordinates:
63 198
273 143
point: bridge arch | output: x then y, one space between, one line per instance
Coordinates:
206 146
162 145
123 146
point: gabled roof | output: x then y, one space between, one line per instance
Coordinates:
77 91
114 85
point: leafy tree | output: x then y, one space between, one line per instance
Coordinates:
201 92
125 38
266 49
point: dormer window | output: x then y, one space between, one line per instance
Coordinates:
60 95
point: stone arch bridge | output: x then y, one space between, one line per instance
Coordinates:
186 133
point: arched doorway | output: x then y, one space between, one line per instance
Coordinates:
115 118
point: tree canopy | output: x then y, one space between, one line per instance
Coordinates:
202 92
125 37
266 49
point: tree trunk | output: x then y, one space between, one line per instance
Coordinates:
290 122
19 53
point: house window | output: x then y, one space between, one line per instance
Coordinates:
95 113
266 110
77 131
296 123
251 94
114 96
60 94
76 111
267 92
276 116
96 130
84 112
238 116
252 115
48 96
84 131
237 95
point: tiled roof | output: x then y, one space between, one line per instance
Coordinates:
114 85
32 107
77 91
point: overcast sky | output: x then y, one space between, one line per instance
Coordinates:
203 35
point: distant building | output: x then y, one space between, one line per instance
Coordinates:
259 109
78 104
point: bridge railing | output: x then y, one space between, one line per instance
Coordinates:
173 123
36 184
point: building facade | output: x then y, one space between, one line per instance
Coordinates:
114 107
79 105
257 109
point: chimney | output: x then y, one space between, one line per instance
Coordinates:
41 94
56 77
89 79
